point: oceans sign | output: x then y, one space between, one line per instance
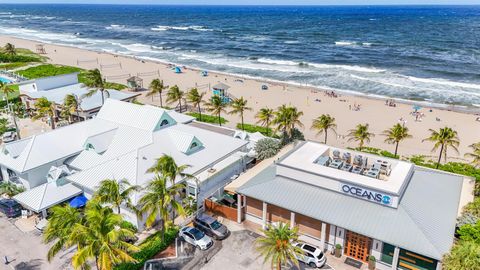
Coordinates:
367 194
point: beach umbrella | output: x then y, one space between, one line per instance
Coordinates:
178 70
204 73
79 201
416 107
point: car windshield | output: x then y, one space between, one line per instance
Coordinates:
216 225
197 234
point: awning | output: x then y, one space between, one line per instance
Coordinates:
79 201
47 195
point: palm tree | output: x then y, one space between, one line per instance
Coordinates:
216 106
360 134
9 49
174 94
475 154
116 193
239 106
196 98
396 134
10 189
71 106
94 79
157 200
59 228
45 108
286 118
265 117
6 90
276 246
102 237
323 123
166 166
156 87
443 138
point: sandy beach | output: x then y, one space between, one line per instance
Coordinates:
313 102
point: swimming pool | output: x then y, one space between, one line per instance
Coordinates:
4 80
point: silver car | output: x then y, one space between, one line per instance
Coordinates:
195 237
9 136
211 227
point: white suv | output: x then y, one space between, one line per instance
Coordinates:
195 237
312 256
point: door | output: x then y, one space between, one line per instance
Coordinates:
357 246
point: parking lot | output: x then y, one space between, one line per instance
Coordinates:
238 253
26 251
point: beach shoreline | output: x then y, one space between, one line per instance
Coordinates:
372 109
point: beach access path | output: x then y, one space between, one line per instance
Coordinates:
313 102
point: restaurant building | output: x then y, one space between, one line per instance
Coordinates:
401 214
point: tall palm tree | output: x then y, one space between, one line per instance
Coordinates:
102 237
196 99
443 138
9 49
6 90
475 154
276 246
166 166
156 87
116 193
216 106
174 94
323 123
265 116
239 106
71 106
286 118
157 200
45 108
94 79
360 134
396 134
59 228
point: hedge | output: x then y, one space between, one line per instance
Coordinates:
207 118
47 70
253 128
149 248
7 58
376 151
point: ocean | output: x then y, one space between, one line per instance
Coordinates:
423 53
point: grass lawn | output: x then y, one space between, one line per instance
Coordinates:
10 66
54 70
253 128
207 118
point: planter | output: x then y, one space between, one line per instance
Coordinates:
338 251
371 262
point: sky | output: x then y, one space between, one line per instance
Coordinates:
258 2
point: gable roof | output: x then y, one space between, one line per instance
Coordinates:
424 221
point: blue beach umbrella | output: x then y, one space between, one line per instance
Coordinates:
178 70
416 107
79 201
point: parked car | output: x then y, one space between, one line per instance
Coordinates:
312 256
9 136
211 227
195 237
10 208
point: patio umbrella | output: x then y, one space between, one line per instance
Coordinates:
78 201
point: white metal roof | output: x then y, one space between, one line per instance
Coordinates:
424 221
47 195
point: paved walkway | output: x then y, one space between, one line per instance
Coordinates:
26 250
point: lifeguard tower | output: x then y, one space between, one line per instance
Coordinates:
135 83
40 49
220 89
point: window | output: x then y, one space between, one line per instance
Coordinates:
193 145
164 122
192 191
89 146
309 248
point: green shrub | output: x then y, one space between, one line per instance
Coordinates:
252 129
14 65
267 148
376 151
47 70
338 246
115 86
7 58
372 258
149 248
207 118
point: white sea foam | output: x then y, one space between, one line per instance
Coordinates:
445 82
345 43
180 28
291 42
277 62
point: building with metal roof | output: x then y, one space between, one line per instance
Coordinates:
405 216
121 142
